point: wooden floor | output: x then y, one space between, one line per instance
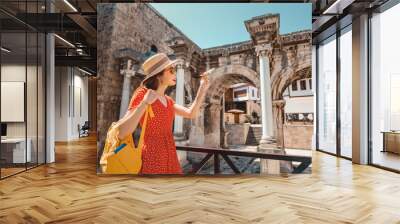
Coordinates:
10 171
69 191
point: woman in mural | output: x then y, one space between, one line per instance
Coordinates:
159 152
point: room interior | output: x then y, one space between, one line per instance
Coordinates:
63 186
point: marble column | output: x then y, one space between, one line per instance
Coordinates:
128 73
178 122
264 53
180 99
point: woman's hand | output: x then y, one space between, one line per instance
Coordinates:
204 82
129 122
150 97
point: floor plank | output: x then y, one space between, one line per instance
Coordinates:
69 191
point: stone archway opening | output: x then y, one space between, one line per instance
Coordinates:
214 120
280 86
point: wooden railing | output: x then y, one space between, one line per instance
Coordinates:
217 153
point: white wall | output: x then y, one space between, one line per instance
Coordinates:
307 92
299 104
80 100
250 93
33 127
12 73
249 90
61 103
71 94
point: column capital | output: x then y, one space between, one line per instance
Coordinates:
263 50
129 69
181 64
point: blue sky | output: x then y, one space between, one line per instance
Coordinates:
214 24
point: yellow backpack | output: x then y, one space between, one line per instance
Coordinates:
121 156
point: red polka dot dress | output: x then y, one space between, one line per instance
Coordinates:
159 151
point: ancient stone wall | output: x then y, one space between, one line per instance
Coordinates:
237 133
298 136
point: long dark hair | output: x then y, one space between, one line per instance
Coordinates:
153 82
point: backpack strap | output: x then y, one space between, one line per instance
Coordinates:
149 112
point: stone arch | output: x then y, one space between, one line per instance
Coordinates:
279 85
227 75
220 79
286 77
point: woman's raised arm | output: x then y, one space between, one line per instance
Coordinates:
192 111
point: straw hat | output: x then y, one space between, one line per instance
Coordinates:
155 64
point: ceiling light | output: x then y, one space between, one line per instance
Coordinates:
65 41
70 5
5 50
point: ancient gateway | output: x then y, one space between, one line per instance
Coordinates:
270 61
